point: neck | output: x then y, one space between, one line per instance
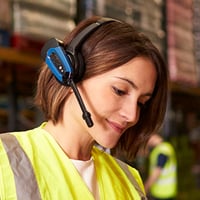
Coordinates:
76 144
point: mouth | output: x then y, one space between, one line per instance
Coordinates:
116 127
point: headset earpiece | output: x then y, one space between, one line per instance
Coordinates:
79 68
77 65
55 57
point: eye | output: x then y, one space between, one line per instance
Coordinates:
118 91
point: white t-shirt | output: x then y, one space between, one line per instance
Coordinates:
87 171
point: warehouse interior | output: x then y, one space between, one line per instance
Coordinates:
172 25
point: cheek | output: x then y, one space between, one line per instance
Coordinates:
99 98
103 104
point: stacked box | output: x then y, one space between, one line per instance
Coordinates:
33 22
181 58
136 12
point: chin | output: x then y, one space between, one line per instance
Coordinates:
108 146
107 141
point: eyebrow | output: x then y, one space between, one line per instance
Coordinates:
133 85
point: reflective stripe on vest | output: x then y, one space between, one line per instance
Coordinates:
131 178
25 181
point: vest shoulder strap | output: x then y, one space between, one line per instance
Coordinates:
132 179
25 183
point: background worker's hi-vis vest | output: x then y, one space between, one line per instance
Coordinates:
34 167
166 185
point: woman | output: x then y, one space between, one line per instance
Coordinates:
123 85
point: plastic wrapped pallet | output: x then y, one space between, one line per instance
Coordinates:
36 21
181 58
65 7
139 13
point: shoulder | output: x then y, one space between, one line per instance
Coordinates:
11 140
120 167
164 148
133 176
105 155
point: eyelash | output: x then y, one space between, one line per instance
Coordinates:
119 92
122 92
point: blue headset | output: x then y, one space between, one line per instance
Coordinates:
67 64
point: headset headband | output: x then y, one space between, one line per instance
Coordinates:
78 40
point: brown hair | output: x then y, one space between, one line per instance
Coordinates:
110 46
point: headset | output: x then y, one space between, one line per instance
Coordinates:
66 62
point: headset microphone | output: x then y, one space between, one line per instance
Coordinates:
54 56
86 115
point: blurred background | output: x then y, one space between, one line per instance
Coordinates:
172 25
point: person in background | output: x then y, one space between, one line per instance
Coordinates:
102 85
161 183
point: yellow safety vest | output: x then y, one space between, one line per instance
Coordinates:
34 167
166 185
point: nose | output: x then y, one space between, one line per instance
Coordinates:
130 112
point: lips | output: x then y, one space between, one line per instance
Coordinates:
116 126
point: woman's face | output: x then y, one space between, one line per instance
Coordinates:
115 98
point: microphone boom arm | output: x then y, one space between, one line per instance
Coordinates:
86 115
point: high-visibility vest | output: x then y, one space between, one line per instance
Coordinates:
34 167
166 185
